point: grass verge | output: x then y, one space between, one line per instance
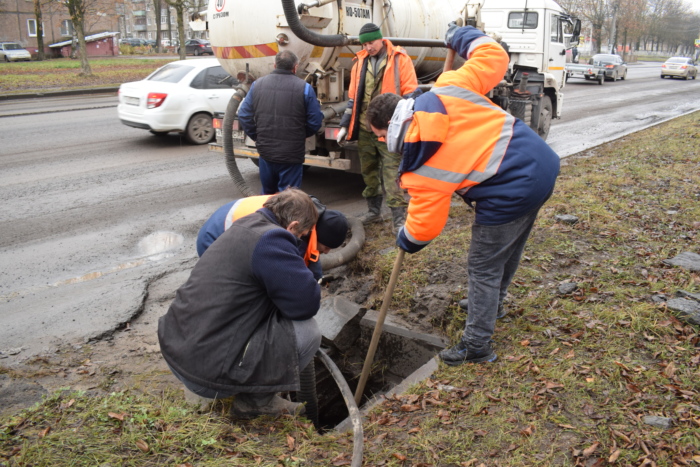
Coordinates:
64 74
578 372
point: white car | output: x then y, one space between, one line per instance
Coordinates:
683 67
13 52
181 96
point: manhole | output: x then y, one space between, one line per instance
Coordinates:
347 329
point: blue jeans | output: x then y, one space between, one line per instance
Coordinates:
278 177
308 336
494 256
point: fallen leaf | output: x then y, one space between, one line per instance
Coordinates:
613 457
142 445
118 416
290 442
44 432
400 457
528 431
590 450
414 430
525 343
409 408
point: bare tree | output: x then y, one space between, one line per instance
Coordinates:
77 10
39 30
158 11
181 6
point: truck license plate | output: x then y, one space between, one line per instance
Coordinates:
238 135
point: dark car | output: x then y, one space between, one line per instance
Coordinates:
133 41
615 68
197 47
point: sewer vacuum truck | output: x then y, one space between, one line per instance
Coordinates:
246 34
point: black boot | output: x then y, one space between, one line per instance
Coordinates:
374 206
398 218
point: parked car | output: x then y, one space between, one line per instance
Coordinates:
613 66
181 96
683 67
133 41
197 47
13 52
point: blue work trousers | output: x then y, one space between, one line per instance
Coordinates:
278 177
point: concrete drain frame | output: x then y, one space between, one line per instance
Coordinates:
403 357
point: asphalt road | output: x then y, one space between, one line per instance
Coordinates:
93 212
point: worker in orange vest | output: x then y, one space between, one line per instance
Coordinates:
328 233
453 139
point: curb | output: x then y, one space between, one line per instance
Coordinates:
68 92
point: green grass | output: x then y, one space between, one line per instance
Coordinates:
576 373
63 74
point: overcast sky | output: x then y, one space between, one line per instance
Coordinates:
696 5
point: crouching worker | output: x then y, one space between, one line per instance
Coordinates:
243 322
330 230
453 139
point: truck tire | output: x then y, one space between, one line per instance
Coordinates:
199 129
545 120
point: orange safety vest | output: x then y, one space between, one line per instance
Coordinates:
474 135
249 205
399 77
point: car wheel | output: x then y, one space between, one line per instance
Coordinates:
662 76
199 129
624 75
687 77
7 59
545 120
196 52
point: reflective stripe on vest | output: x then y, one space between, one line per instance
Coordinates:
245 206
499 150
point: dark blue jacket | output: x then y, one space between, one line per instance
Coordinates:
230 325
279 113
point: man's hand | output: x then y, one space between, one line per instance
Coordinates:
451 29
342 135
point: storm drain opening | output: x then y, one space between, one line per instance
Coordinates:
347 332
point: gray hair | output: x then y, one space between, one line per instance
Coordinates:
286 60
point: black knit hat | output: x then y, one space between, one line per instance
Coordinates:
370 32
331 228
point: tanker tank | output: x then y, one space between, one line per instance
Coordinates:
246 35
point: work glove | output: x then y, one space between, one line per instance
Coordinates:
342 135
451 29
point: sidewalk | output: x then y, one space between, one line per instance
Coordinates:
67 92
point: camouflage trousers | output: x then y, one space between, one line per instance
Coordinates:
379 167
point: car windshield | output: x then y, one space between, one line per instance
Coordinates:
677 60
170 73
12 47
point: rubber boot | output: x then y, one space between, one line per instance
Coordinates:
398 218
251 405
374 206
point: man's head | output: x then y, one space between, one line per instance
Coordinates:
331 230
294 210
371 39
286 60
380 111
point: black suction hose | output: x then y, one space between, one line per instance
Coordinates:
231 165
349 251
307 392
353 410
340 40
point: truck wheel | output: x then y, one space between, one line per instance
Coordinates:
545 120
199 129
588 78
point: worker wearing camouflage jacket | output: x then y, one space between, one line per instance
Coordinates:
453 139
380 67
